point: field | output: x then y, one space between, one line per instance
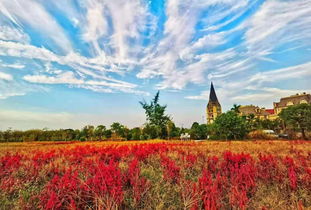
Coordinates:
156 175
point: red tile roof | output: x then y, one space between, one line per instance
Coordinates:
270 111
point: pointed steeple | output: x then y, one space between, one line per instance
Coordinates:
213 108
212 94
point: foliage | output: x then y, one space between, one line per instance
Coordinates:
157 175
298 117
229 125
198 131
156 117
100 132
120 131
236 108
255 123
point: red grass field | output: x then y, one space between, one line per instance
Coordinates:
156 175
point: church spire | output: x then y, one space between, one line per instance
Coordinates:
213 109
212 94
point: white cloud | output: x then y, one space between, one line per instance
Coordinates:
9 88
258 88
95 85
8 48
5 76
63 78
298 71
13 65
115 34
288 21
31 13
13 34
6 95
180 59
83 66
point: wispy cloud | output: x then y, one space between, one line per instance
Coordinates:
8 33
5 76
69 78
260 87
10 87
288 22
112 46
34 15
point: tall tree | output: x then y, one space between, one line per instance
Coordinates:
298 117
155 114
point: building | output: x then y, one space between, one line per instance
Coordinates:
272 114
261 113
291 100
213 108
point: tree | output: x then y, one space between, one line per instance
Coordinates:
229 125
298 117
198 131
99 132
155 114
88 132
270 124
236 108
135 133
150 132
119 130
170 127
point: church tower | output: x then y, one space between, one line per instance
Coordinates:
213 108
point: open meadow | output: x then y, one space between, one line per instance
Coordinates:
156 174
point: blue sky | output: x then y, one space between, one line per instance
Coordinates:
75 62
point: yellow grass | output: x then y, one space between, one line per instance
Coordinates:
280 147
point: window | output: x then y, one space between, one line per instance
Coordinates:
289 103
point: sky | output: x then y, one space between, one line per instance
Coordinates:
69 63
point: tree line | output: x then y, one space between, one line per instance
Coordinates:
116 131
159 125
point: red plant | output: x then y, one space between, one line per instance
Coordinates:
171 170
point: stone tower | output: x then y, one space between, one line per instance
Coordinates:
213 108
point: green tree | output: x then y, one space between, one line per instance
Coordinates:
119 130
198 131
150 132
155 114
99 132
135 133
236 108
170 128
87 132
298 117
229 125
270 124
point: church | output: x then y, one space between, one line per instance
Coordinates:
213 108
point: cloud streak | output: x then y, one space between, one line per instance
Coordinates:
119 46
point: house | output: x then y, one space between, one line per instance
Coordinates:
291 100
258 112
